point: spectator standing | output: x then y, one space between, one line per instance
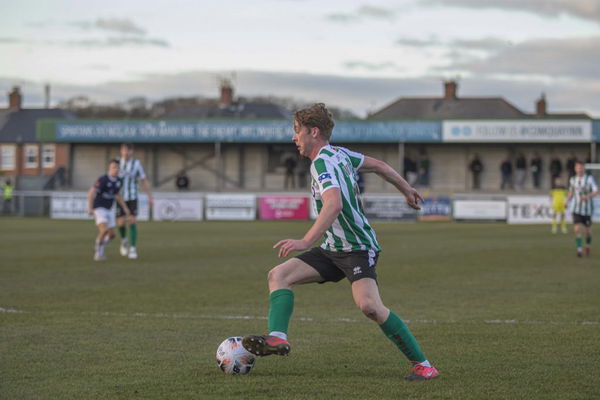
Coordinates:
182 182
571 164
410 170
424 165
555 169
290 171
7 196
360 181
303 168
521 171
506 169
476 168
536 170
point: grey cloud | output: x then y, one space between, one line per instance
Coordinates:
584 9
359 94
344 18
576 58
116 25
363 12
8 40
414 42
97 67
375 12
119 42
382 66
489 43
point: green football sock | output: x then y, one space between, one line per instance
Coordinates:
123 232
397 331
281 307
588 240
132 234
579 242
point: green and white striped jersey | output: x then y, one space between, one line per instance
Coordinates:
580 186
336 167
129 172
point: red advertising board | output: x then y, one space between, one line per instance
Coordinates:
283 207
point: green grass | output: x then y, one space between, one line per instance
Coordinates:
504 312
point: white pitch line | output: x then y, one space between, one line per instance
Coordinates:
305 319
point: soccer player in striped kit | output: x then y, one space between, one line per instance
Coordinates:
350 248
582 190
130 172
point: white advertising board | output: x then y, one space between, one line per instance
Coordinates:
177 207
73 205
231 207
479 210
517 131
531 210
69 205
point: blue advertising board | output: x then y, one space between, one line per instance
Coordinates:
436 209
254 131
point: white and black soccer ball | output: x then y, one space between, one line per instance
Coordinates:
233 358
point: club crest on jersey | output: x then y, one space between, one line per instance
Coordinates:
323 176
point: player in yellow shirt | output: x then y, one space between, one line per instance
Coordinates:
559 205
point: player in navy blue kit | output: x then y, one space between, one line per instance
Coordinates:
101 198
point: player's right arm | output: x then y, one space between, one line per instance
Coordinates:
90 197
332 206
388 173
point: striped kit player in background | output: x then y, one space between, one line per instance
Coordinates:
582 190
130 172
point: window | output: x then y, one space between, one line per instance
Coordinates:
7 157
31 155
48 155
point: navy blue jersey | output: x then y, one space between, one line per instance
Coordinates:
106 190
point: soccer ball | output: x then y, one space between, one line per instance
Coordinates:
233 358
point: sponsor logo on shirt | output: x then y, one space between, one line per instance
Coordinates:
323 176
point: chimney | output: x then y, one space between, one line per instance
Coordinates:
450 90
540 106
15 99
226 93
47 96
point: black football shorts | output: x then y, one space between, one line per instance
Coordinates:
333 266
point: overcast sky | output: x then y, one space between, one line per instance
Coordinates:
354 54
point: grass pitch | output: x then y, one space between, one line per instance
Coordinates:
504 312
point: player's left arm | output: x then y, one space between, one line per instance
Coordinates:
594 188
388 173
332 206
145 183
146 188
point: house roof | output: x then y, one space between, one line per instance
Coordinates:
250 110
19 126
563 116
441 108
